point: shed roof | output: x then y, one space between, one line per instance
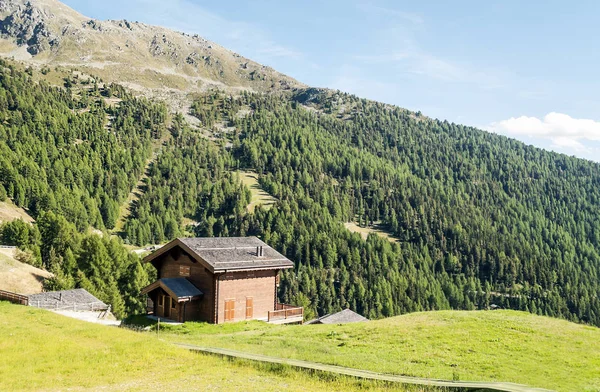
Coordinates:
178 288
66 298
345 316
221 254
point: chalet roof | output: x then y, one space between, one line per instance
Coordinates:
345 316
221 254
79 299
179 288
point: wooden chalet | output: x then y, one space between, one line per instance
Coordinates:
219 280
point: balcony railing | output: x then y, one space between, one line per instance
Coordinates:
284 314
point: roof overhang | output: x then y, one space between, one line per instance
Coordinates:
176 243
261 268
152 257
160 284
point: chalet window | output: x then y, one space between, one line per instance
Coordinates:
250 274
161 300
184 270
173 304
229 309
229 276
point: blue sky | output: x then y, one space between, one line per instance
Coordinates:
528 70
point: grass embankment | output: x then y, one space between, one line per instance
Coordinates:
44 351
504 346
259 196
365 231
20 277
9 212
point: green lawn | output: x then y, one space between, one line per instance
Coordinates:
44 351
481 345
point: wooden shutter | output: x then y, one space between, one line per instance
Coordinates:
184 270
249 307
229 309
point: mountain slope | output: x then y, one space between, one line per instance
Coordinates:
478 218
19 277
147 58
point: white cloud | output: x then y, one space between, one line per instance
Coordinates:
554 125
557 131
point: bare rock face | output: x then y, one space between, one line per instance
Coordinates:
28 26
152 59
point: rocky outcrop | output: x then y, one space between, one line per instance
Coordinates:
131 53
27 24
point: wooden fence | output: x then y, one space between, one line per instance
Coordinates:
14 298
286 312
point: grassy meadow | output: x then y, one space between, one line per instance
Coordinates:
41 350
499 345
259 196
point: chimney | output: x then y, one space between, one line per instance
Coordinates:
257 251
261 251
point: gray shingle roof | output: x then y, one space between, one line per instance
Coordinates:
235 253
181 287
66 298
345 316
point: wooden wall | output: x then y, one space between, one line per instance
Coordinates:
203 309
260 285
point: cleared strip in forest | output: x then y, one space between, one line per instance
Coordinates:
366 374
259 196
127 206
364 231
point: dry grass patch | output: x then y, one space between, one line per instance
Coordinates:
365 231
9 212
19 277
259 196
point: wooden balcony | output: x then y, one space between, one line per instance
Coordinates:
286 314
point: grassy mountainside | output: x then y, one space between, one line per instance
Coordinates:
484 346
147 58
19 277
9 212
44 351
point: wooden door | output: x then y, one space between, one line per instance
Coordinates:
160 305
249 307
229 309
167 306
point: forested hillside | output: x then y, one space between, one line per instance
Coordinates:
479 218
69 159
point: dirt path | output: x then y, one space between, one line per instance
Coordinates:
366 374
